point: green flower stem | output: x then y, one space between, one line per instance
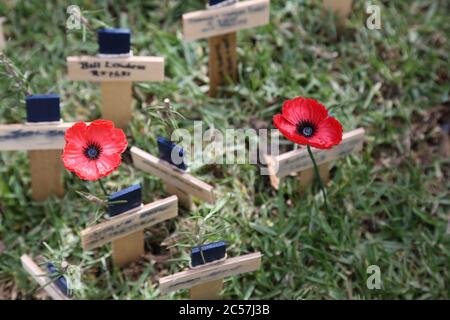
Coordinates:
316 170
103 187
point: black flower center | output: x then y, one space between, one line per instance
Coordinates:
92 151
306 129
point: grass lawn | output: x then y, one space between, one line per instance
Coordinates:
389 205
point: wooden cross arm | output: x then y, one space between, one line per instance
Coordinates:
192 277
183 181
129 222
299 160
241 15
33 136
97 69
41 278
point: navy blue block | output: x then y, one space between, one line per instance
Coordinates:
211 252
113 41
60 281
132 196
214 2
165 148
43 107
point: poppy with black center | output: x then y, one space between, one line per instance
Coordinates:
93 151
305 121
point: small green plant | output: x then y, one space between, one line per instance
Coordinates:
164 117
71 273
20 81
204 226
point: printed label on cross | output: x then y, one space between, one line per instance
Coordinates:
125 228
115 68
219 24
51 287
43 137
176 181
205 282
299 162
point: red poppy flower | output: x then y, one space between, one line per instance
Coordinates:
305 121
93 151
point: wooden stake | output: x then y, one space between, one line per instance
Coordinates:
45 167
225 19
117 102
128 249
299 161
2 37
341 8
219 23
126 230
184 198
41 278
116 76
43 137
207 291
176 181
205 282
308 176
222 61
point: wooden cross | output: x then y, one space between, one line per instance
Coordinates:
176 181
298 161
219 23
341 8
205 280
2 37
115 68
125 228
56 289
43 137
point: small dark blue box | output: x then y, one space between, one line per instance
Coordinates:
211 251
214 2
113 41
60 282
132 195
43 108
165 148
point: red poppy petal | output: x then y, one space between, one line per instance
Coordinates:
75 161
314 111
303 109
87 170
100 131
111 140
121 140
328 134
117 144
72 155
291 110
107 164
83 167
76 134
288 130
